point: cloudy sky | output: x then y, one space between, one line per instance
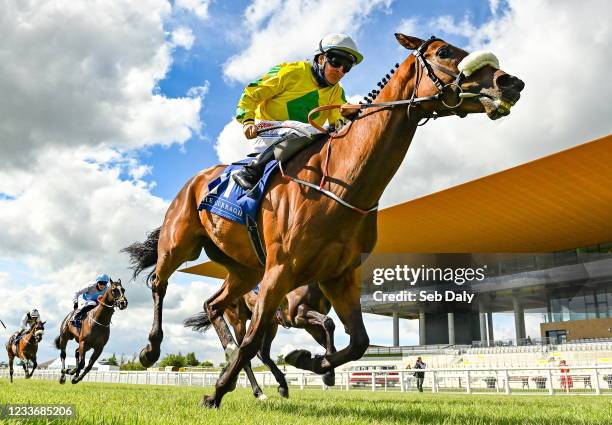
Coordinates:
107 108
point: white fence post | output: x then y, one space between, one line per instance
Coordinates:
373 381
468 385
507 377
596 376
402 377
551 389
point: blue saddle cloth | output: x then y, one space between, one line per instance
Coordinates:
227 199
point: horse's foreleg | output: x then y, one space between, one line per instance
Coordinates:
273 289
238 323
321 328
80 358
92 359
34 365
150 353
10 361
24 364
344 294
264 355
62 345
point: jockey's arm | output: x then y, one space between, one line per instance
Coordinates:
256 93
24 322
77 294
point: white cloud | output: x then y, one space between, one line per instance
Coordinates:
231 144
290 31
198 7
92 83
182 37
558 51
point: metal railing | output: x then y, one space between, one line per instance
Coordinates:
594 380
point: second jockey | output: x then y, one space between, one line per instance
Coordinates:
90 295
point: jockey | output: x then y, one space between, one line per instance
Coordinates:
90 295
289 91
27 321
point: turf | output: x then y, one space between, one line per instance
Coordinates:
140 404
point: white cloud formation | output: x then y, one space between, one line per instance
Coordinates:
78 73
198 7
557 49
289 30
182 37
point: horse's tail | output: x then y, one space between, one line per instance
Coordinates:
199 322
56 342
143 254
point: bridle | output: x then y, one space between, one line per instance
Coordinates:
427 67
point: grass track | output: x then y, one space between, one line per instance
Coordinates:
139 404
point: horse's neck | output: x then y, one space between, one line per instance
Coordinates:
374 147
101 313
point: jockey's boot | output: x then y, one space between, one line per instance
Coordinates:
251 173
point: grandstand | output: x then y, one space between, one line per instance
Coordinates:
597 352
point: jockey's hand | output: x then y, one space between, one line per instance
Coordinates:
250 130
350 111
75 306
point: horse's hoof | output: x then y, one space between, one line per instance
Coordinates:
28 376
262 397
283 391
329 378
74 381
299 359
147 358
209 402
62 380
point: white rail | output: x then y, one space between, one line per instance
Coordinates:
595 380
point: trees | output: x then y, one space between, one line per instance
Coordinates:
112 360
174 360
191 359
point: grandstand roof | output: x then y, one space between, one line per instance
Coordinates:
554 203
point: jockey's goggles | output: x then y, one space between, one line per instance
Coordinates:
338 58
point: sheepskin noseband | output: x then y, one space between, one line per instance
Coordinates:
476 60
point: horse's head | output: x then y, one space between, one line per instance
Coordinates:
117 294
38 330
464 83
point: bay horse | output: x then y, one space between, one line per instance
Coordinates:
303 308
25 349
308 235
94 332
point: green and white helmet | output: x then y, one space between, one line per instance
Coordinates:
342 42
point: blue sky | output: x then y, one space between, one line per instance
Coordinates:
103 122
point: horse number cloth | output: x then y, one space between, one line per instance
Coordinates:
227 199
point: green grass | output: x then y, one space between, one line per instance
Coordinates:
139 404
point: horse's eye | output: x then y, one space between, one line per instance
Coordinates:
444 52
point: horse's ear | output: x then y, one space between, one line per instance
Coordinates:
118 281
407 41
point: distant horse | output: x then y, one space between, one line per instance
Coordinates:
94 333
311 236
304 308
25 349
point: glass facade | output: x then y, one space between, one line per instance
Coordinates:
587 304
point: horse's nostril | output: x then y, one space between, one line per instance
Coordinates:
507 81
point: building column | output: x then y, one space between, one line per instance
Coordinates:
519 318
451 328
422 334
396 329
490 325
482 319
